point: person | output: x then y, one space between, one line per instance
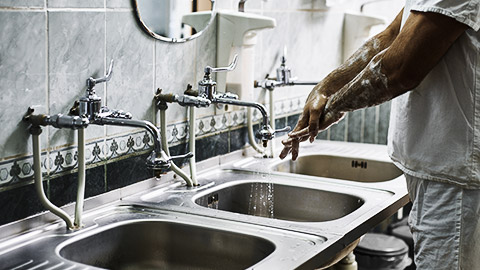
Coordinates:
428 61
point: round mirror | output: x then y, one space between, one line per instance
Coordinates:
174 20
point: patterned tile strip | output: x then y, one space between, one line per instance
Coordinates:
20 170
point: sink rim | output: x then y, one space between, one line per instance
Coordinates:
303 183
221 178
118 225
276 237
365 151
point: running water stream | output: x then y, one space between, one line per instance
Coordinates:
261 198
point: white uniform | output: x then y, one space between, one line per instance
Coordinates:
434 137
435 129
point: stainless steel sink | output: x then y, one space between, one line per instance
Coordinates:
338 167
270 193
133 237
250 213
285 202
151 244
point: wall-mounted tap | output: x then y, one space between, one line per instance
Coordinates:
207 89
284 77
89 110
90 107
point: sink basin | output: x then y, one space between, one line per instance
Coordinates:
344 168
280 201
151 244
132 237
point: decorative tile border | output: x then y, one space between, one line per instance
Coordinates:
20 170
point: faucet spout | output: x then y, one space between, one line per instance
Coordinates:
207 89
266 132
256 105
90 106
158 160
149 127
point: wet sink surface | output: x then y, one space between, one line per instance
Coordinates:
283 202
344 168
167 245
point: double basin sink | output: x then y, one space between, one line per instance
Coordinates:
250 214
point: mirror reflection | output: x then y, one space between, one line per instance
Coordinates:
174 20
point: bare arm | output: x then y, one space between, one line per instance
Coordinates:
423 41
345 73
358 60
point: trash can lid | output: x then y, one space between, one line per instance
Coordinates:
381 245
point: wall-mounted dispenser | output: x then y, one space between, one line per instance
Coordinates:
197 20
237 34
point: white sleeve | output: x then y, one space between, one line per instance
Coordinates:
464 11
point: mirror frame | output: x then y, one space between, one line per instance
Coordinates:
167 39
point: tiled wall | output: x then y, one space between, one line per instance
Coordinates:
49 48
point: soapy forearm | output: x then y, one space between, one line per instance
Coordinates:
369 88
337 79
358 60
354 64
424 40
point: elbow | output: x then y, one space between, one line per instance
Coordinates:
406 82
401 81
402 73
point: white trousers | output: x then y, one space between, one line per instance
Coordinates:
445 223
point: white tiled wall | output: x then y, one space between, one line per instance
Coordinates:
49 48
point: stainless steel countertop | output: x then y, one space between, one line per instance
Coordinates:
301 244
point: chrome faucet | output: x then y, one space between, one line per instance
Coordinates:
284 77
207 89
90 107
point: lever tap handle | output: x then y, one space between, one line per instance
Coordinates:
282 130
209 69
180 157
91 82
227 95
284 56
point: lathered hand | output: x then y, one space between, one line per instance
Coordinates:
308 124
